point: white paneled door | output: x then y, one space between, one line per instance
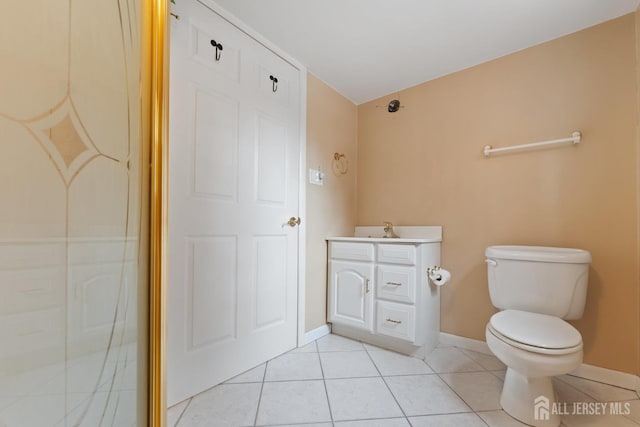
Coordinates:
233 185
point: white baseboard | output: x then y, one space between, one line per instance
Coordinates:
466 343
607 376
589 372
316 333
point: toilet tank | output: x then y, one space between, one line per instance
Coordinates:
539 279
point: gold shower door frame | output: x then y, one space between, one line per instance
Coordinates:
155 89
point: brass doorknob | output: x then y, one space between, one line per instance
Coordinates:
293 221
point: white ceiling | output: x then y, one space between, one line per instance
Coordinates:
369 48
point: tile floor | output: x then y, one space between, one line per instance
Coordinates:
340 382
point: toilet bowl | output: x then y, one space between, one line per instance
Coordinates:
536 288
535 348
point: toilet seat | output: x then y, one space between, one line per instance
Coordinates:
539 333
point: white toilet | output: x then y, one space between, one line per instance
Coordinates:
536 288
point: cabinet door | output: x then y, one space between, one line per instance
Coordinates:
350 294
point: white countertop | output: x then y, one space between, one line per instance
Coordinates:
407 234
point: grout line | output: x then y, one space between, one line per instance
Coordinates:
594 381
453 413
264 375
387 385
326 392
455 392
183 412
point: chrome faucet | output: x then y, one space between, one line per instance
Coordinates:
388 230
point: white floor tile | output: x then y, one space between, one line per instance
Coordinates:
293 402
499 419
451 359
391 363
634 407
500 374
449 420
338 343
175 412
569 394
425 395
599 391
597 421
370 347
490 363
224 405
296 396
255 375
386 422
361 398
309 348
480 390
294 366
306 425
347 364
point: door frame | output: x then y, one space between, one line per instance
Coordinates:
302 189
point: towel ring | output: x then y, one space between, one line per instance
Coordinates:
340 164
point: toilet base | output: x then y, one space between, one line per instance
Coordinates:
529 400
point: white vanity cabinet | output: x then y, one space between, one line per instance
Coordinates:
378 291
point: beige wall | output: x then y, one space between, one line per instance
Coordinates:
424 166
637 18
331 208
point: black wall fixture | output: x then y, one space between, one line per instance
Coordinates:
393 106
274 83
218 47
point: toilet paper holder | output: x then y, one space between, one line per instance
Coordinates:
433 270
438 275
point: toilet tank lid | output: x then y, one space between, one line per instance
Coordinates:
539 253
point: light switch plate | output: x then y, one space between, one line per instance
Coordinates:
316 177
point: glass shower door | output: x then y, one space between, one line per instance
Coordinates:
73 257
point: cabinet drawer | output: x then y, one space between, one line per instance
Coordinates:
396 283
397 254
351 250
396 320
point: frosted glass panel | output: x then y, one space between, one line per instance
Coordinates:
70 183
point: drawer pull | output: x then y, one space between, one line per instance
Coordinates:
397 322
394 284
